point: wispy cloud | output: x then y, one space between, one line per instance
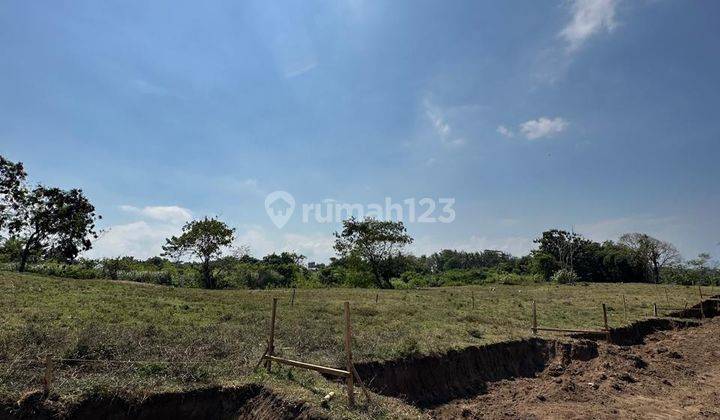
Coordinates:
543 127
505 132
440 124
515 245
535 129
301 68
168 214
589 17
141 238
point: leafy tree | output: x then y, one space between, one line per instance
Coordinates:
51 222
562 245
654 253
205 240
57 223
12 190
544 264
372 242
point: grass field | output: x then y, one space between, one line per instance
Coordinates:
218 336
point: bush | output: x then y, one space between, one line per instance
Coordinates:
565 276
355 278
512 278
399 284
154 277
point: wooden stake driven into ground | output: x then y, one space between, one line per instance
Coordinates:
534 318
348 354
535 328
625 309
350 374
47 378
605 322
271 338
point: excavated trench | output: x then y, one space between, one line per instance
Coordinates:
247 402
426 381
432 380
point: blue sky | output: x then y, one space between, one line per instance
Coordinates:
597 115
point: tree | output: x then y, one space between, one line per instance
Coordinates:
654 253
12 190
372 242
44 221
562 245
204 239
53 222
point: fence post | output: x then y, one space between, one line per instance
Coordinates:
702 309
376 297
605 321
47 378
292 300
271 337
655 311
625 309
473 299
348 352
534 318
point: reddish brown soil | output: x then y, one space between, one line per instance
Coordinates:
674 374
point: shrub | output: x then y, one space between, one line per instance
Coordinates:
399 284
565 276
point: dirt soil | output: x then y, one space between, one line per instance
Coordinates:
674 374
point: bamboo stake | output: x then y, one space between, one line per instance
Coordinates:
625 309
362 385
47 378
271 338
348 352
292 300
534 319
605 321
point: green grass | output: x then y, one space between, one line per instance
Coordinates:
218 336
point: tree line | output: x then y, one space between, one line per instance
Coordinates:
50 227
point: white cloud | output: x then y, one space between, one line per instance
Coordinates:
141 238
542 127
168 214
318 247
515 245
504 131
611 229
442 128
138 239
589 17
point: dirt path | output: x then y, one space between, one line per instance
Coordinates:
675 374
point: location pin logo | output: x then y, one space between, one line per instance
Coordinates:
279 205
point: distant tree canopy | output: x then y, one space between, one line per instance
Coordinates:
374 243
53 223
205 240
654 253
54 226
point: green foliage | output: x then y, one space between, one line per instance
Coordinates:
373 244
203 239
48 221
565 276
